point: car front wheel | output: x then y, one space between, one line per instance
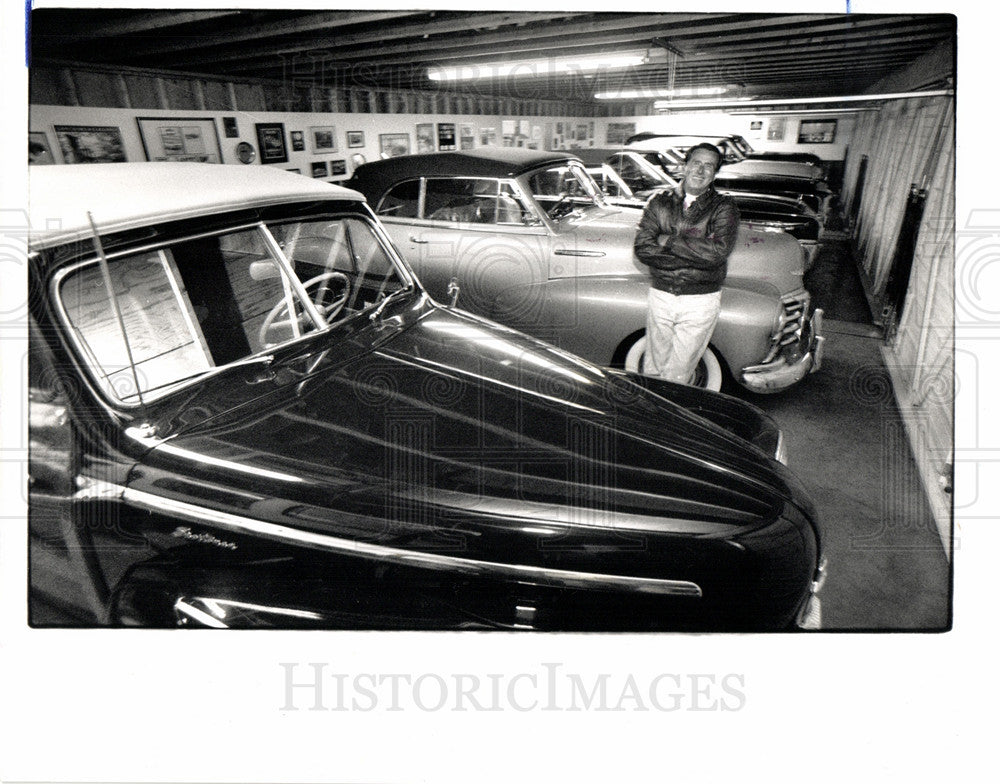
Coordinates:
707 375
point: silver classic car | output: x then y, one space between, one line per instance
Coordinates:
527 239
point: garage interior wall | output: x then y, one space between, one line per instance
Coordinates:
87 96
909 146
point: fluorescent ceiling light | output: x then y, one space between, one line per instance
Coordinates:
548 67
654 92
742 102
831 110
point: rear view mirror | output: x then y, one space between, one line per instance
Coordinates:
263 270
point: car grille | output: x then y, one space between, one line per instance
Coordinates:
793 324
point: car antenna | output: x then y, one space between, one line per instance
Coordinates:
106 274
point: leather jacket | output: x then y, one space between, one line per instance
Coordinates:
686 251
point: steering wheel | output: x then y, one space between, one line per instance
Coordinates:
328 310
559 203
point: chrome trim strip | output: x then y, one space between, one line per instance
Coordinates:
587 253
537 575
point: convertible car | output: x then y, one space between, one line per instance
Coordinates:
245 411
529 241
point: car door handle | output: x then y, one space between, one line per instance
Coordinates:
418 242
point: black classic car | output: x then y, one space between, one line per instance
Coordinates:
245 411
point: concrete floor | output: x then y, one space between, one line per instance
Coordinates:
887 565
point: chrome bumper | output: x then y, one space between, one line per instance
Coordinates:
810 617
788 369
810 249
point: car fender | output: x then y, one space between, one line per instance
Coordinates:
594 316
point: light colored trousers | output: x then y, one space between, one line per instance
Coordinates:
678 328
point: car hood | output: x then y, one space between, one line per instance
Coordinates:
600 243
459 429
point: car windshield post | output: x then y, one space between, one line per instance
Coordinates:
102 263
289 278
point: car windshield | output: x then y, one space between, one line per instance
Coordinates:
610 183
185 308
564 189
639 173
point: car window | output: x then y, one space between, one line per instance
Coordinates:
634 174
609 183
200 303
401 201
472 200
563 189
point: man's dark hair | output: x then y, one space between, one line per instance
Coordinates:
705 146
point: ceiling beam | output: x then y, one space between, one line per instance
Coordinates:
494 45
828 43
157 20
363 40
839 26
563 42
305 24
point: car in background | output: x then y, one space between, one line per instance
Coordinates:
628 179
245 411
641 177
529 241
815 195
733 159
737 148
782 213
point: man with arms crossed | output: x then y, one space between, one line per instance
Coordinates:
685 237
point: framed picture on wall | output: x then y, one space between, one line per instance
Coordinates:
817 131
39 152
392 145
355 138
298 141
179 139
271 141
90 143
338 167
323 138
425 137
229 128
776 129
446 136
319 169
618 132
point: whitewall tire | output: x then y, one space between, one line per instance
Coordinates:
707 375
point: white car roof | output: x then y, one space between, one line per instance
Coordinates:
120 196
